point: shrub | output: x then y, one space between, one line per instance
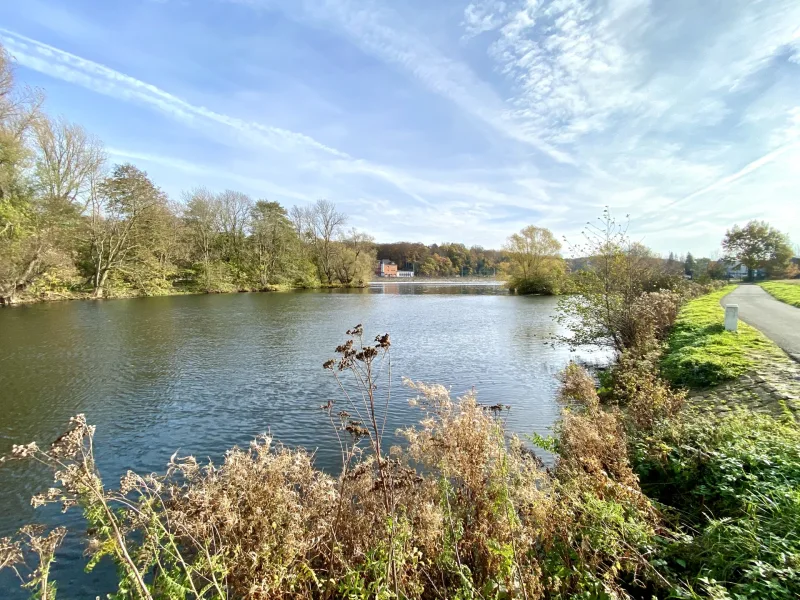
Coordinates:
611 524
546 285
461 511
607 300
636 385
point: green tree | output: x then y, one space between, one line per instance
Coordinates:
201 218
354 259
275 245
22 249
535 263
757 245
689 264
124 211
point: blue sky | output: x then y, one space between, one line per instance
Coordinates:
443 121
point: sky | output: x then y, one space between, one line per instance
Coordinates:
445 120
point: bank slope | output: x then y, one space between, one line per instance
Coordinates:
700 353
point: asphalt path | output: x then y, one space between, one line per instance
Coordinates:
777 320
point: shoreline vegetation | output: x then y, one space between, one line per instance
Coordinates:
648 497
73 226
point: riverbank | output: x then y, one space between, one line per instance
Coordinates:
724 468
45 296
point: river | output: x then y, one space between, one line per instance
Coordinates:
204 373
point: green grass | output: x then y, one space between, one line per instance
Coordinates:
785 292
734 481
700 353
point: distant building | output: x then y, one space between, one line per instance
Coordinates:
734 271
387 268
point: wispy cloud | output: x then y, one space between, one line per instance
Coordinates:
206 171
94 76
682 115
380 31
99 78
745 171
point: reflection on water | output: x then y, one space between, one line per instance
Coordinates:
471 288
204 373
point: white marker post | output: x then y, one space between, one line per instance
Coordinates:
731 317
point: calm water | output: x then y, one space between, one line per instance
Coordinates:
204 373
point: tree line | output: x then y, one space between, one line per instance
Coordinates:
445 260
534 263
72 225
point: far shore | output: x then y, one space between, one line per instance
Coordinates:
439 280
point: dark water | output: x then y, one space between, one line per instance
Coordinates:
204 373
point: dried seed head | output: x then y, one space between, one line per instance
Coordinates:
24 450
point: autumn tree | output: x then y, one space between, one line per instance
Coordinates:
617 271
757 245
535 263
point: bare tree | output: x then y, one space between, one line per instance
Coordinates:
234 214
68 159
202 220
320 225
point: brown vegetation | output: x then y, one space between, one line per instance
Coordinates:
461 510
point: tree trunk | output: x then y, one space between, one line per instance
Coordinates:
99 283
7 299
8 294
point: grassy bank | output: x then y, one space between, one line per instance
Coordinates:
727 486
701 353
783 291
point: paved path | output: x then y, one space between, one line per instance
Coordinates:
777 320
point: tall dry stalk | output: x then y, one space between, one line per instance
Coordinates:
358 360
